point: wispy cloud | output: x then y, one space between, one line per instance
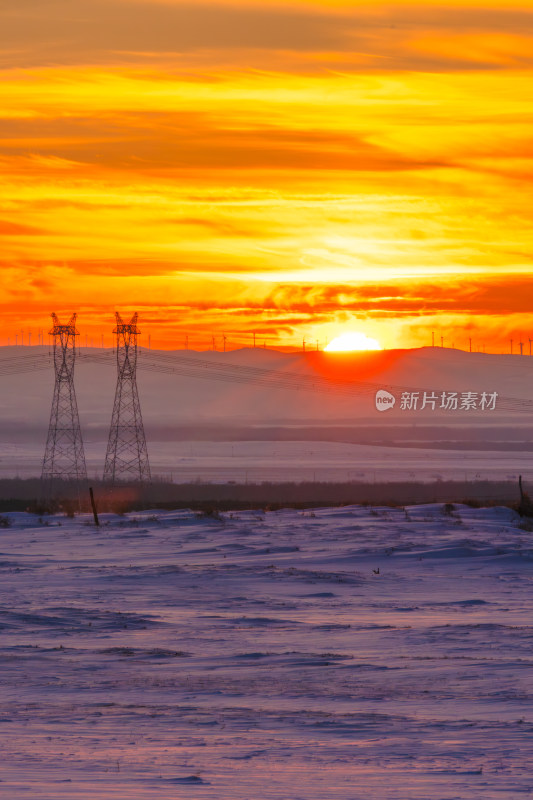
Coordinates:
383 36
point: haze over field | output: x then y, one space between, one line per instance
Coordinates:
259 414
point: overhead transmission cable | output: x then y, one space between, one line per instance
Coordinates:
192 367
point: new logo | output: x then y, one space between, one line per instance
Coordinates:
384 400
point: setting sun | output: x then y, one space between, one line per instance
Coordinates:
351 340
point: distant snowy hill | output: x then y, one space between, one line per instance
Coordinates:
269 387
266 394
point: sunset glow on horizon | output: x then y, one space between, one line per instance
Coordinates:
280 170
351 341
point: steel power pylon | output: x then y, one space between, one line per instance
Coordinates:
127 455
64 458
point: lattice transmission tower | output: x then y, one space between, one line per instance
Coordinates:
127 455
64 457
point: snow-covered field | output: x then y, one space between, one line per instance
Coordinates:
340 653
278 461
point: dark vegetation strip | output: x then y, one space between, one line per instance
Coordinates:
17 494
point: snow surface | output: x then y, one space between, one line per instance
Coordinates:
337 653
279 461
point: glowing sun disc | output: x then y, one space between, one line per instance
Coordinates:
352 341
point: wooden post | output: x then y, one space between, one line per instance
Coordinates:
93 504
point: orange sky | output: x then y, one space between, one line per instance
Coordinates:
297 169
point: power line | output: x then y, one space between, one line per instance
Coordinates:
174 364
